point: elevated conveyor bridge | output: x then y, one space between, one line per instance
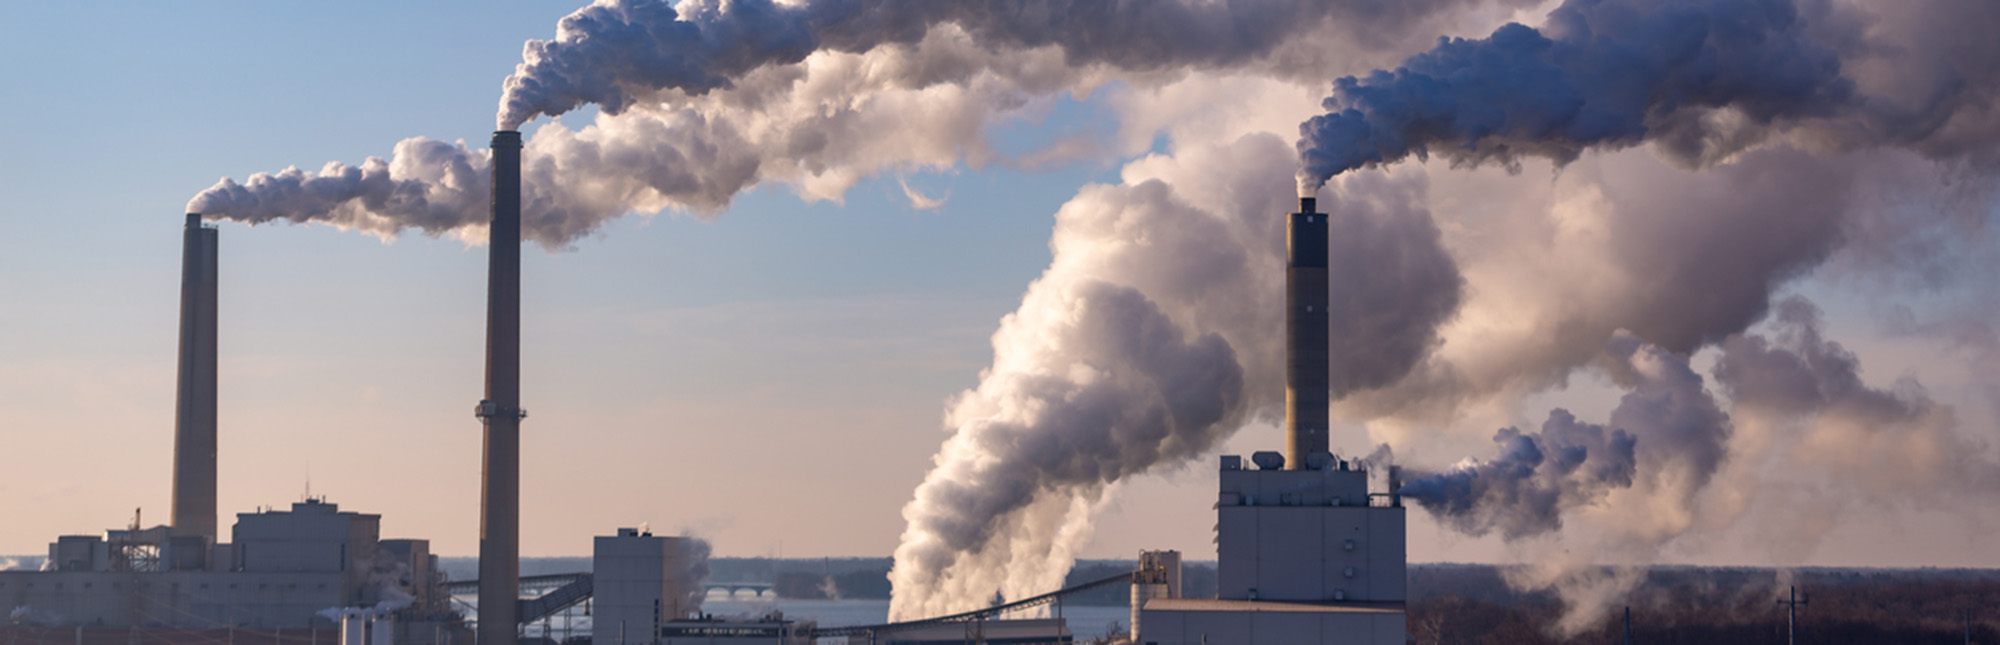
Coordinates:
570 589
979 615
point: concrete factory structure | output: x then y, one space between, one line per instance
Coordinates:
1304 554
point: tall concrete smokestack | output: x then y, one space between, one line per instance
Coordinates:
1306 358
500 515
194 406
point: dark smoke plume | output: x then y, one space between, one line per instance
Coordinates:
1702 79
1523 490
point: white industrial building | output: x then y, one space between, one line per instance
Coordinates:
1303 556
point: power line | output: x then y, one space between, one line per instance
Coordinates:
1792 622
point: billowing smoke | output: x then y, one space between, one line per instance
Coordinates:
1703 80
1666 438
1806 394
690 574
618 53
1037 443
431 186
1523 490
702 100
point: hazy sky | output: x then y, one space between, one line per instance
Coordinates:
774 378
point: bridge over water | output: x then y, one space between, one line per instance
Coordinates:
760 588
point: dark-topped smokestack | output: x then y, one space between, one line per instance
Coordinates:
1306 358
500 514
194 406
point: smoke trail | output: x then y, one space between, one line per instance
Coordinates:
1524 489
691 576
431 186
618 53
701 100
1704 80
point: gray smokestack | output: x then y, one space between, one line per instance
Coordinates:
194 407
500 517
1306 359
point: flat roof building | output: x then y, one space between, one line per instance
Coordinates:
1303 556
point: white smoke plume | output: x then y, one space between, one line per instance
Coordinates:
1038 443
620 53
702 100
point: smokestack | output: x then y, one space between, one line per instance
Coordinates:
194 407
500 516
1306 359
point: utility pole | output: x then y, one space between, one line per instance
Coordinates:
1628 625
1792 623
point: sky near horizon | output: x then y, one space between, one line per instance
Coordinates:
774 377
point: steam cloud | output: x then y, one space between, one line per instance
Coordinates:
1038 444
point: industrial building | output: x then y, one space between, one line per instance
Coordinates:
1304 554
299 569
278 572
642 584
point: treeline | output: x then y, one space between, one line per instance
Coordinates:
1673 605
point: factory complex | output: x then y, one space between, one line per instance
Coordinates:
1305 552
